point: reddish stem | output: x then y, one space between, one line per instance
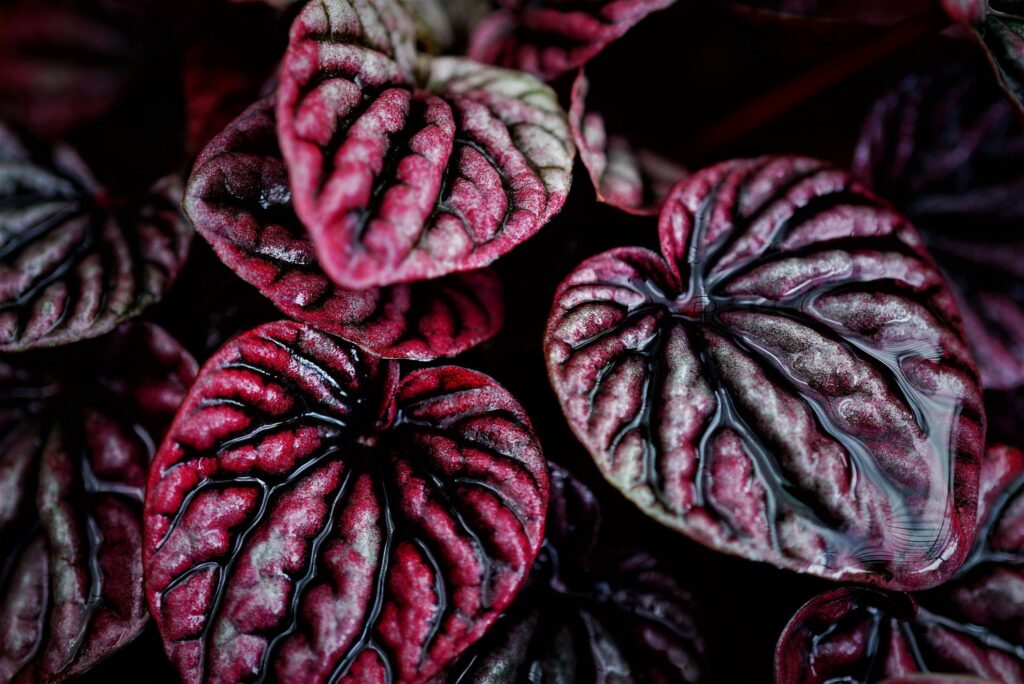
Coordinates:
794 92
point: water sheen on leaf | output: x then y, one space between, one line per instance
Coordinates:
77 437
949 152
238 198
551 37
588 615
634 180
311 518
970 625
788 383
407 167
75 262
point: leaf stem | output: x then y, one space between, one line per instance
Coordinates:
803 87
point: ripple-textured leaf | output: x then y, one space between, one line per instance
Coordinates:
550 37
634 180
788 383
970 625
949 152
239 199
77 437
407 167
311 518
74 261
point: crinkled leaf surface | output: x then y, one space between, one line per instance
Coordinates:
77 437
405 167
589 616
74 262
971 625
66 62
949 152
634 180
550 37
788 383
239 199
308 519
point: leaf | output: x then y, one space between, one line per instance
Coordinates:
382 527
551 37
77 439
949 152
865 12
238 198
970 625
75 262
589 615
66 62
789 383
636 181
405 167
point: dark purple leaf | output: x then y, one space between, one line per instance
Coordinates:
634 180
238 198
973 624
589 616
405 167
969 11
74 261
789 383
550 37
66 62
937 679
78 435
308 519
950 154
868 12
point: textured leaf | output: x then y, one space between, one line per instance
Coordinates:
74 262
789 383
406 167
239 200
588 616
970 625
66 62
950 154
77 436
634 180
379 535
550 37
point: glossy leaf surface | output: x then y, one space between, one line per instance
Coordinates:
406 167
240 201
77 437
788 383
312 518
74 261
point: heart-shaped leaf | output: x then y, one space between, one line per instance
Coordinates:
789 383
77 437
238 198
949 152
75 262
589 616
551 37
381 526
66 62
971 624
405 167
634 180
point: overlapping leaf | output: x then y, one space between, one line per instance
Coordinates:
405 167
634 180
310 518
950 153
971 625
589 616
998 26
789 383
74 262
77 436
239 200
551 37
